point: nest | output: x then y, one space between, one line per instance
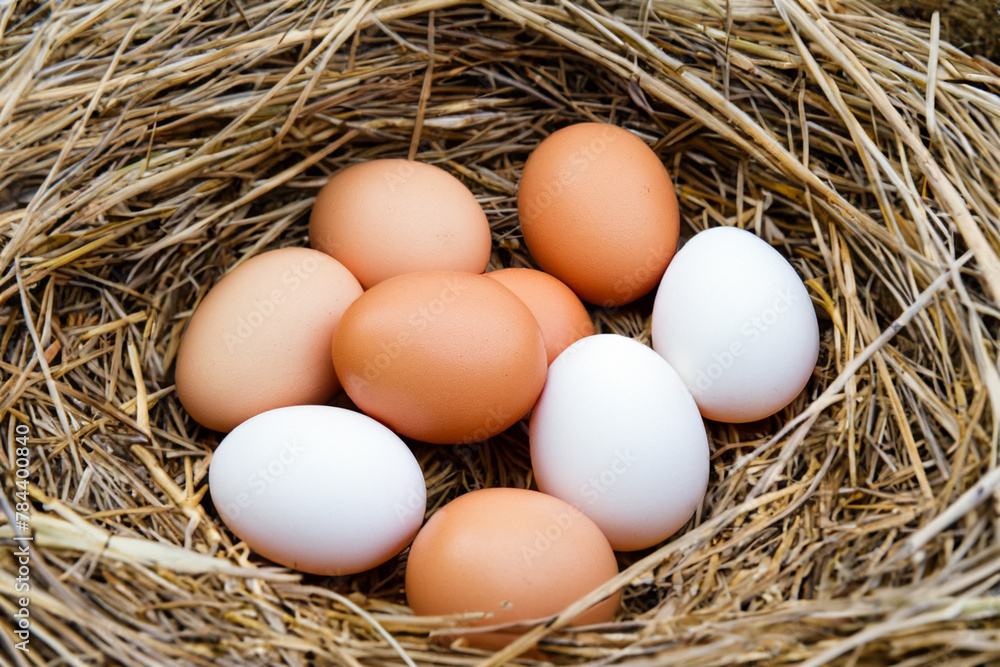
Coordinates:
148 147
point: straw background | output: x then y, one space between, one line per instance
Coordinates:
147 147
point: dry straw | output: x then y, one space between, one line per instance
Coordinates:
147 147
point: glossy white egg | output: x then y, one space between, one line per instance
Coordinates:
319 489
616 434
735 321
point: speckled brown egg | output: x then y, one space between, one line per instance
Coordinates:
441 356
384 218
599 212
512 555
560 314
260 339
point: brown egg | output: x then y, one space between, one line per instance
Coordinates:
598 211
560 314
512 554
441 356
260 339
384 218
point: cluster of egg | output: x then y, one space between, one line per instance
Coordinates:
391 303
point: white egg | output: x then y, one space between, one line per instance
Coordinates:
616 434
735 321
319 489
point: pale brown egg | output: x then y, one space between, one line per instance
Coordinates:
441 356
513 555
560 314
599 212
384 218
260 339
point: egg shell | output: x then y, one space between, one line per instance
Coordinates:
441 356
560 314
735 321
384 218
599 212
260 339
616 434
319 489
512 554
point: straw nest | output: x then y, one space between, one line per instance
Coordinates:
147 147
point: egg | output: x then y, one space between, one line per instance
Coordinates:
511 555
617 435
384 218
735 321
441 356
560 314
319 489
599 212
260 339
